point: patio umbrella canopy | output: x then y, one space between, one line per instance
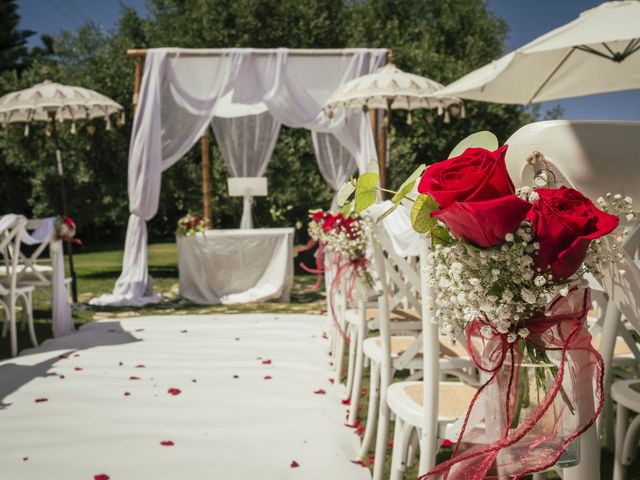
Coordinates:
596 53
391 88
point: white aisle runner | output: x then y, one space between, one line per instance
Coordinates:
230 396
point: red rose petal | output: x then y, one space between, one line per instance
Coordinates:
266 362
237 339
359 462
174 391
236 376
320 392
346 402
120 364
140 366
61 377
126 394
389 444
446 443
359 431
40 400
78 369
183 331
24 459
331 381
139 329
134 378
194 381
371 460
63 356
76 355
268 377
101 476
166 443
294 464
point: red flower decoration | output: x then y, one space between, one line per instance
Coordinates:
320 392
78 369
266 362
174 391
346 402
40 400
294 464
359 462
446 443
564 223
166 443
101 476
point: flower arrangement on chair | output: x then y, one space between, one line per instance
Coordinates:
189 225
65 229
507 275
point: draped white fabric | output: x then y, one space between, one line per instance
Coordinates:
177 101
335 162
246 144
62 323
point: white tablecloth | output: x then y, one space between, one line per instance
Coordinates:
236 266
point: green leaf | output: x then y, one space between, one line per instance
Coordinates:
387 213
345 192
347 208
408 184
440 236
366 194
482 139
420 213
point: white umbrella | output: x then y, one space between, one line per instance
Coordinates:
390 88
596 53
52 102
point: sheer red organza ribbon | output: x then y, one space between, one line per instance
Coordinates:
319 259
488 446
353 267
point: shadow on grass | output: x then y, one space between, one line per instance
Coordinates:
168 272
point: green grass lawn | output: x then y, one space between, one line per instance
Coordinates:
98 271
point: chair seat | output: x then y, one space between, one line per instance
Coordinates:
406 399
409 319
454 356
627 393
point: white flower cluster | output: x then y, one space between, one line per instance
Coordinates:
500 285
617 205
347 243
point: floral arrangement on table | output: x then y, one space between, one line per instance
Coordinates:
65 229
507 277
189 225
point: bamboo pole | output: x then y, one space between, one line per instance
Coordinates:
200 52
206 182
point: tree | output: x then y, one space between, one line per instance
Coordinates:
437 38
13 42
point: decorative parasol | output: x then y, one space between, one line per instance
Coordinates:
53 102
391 88
596 53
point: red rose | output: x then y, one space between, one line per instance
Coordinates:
318 216
331 221
476 196
564 224
349 224
69 223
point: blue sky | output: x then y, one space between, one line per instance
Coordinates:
527 19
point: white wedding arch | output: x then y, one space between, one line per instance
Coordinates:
245 95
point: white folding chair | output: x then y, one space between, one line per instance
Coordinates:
627 395
10 292
389 352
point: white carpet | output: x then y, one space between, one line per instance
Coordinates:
221 427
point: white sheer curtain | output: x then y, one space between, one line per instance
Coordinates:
177 99
246 144
335 162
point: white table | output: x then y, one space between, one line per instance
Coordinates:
236 266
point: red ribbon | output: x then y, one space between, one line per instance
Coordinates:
319 259
487 444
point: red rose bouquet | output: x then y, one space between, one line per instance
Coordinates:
66 230
189 225
507 278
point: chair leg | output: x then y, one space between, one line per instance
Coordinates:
28 311
13 334
337 360
372 413
401 437
351 363
413 447
357 376
622 418
383 425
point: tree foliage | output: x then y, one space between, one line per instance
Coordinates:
437 38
